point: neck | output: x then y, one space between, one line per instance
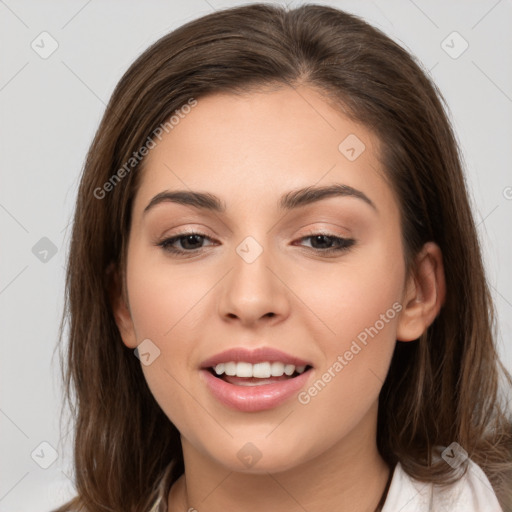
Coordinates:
350 476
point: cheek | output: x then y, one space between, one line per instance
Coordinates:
359 305
163 298
169 304
359 293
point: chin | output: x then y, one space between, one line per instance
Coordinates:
259 456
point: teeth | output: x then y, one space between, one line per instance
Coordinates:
243 370
229 368
259 370
276 369
289 369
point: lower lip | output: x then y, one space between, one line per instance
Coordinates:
254 398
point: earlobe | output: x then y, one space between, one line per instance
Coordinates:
120 309
424 294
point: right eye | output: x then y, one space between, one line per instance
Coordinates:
190 243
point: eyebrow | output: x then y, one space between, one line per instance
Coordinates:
291 200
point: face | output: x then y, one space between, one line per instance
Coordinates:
272 281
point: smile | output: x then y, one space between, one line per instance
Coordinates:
257 380
258 371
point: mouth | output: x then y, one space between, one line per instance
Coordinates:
243 373
257 380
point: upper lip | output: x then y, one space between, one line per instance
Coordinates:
257 355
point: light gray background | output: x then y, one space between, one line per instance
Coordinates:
50 109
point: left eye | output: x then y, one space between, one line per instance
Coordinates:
192 242
334 243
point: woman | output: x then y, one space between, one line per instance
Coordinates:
276 295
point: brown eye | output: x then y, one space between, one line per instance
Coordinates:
184 243
327 243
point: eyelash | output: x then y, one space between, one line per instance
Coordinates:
343 243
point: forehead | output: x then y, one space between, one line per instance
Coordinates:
252 148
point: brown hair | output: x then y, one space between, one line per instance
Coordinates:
444 387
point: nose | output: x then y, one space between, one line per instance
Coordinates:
254 292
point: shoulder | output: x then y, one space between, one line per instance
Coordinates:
471 493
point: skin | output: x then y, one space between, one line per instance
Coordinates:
249 150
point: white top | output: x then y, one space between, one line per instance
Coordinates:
471 493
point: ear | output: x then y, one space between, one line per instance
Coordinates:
424 294
120 307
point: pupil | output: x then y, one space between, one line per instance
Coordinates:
190 238
320 238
